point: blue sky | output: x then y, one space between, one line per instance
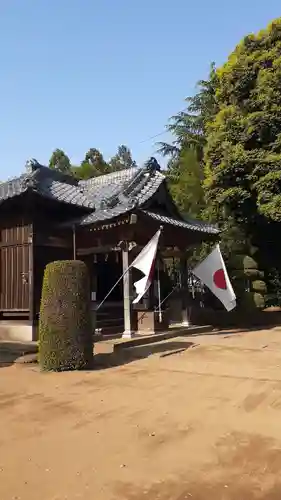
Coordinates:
77 74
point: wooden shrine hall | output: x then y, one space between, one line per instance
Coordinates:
105 221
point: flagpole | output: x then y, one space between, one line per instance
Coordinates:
118 281
159 294
111 289
165 298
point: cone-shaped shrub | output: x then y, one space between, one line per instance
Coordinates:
65 335
249 285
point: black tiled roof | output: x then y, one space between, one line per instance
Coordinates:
106 197
49 184
118 192
193 225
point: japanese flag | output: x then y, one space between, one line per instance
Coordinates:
212 272
145 262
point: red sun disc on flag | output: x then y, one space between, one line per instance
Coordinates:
219 279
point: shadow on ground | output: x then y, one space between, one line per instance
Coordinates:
11 351
25 353
9 354
233 331
128 355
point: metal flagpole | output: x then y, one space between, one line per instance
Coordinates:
111 289
165 298
118 281
159 293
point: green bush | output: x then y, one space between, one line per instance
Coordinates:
259 300
249 263
252 300
259 287
253 273
242 262
245 275
65 334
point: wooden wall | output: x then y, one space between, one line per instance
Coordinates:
26 246
15 253
43 255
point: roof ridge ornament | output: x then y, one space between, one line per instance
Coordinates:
133 203
29 182
32 165
152 165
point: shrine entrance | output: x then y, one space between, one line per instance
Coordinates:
109 270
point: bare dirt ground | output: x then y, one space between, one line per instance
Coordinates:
190 418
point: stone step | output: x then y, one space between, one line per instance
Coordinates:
138 340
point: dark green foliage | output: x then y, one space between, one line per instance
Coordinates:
185 167
242 157
259 286
122 160
189 126
249 289
243 152
273 297
94 163
60 161
253 273
84 171
249 263
233 126
252 300
65 334
185 183
95 160
243 148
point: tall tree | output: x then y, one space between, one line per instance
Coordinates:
94 164
60 161
243 152
189 126
84 171
184 176
122 160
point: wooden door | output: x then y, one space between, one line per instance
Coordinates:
14 277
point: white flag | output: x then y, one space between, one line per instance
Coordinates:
145 262
212 272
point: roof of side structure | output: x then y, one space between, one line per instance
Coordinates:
49 184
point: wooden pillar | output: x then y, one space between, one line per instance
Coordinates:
93 299
185 312
93 266
74 242
32 309
128 333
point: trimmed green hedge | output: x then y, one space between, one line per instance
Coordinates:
246 276
253 300
65 334
259 286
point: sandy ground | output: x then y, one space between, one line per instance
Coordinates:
190 418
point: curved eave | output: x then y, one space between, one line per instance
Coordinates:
191 225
